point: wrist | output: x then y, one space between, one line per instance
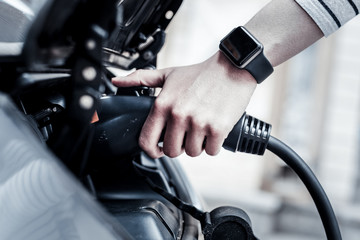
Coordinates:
231 70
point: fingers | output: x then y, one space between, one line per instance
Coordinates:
149 78
161 118
151 132
213 144
155 122
205 136
174 137
181 134
194 142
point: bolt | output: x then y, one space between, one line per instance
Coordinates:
169 15
148 55
90 44
86 102
89 73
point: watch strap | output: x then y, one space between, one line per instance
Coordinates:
260 68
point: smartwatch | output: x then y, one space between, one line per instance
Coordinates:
246 52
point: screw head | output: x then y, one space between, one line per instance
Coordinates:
89 73
86 102
148 55
90 44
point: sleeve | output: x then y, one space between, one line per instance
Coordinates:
330 15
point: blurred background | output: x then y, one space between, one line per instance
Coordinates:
313 103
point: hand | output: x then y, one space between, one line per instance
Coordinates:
198 105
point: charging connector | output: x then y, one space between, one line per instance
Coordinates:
249 135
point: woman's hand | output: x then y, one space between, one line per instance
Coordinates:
197 106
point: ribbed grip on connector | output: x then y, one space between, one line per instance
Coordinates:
249 135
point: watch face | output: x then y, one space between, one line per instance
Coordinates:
241 46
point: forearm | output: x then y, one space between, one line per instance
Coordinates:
284 29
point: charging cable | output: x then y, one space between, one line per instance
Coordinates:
251 135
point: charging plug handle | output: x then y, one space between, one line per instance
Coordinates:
121 119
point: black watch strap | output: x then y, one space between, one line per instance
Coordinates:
260 68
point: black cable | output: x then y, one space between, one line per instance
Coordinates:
315 189
252 135
188 208
180 204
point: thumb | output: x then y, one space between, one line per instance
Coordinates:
149 78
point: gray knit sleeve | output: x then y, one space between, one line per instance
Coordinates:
330 15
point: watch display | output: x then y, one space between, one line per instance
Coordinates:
250 47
